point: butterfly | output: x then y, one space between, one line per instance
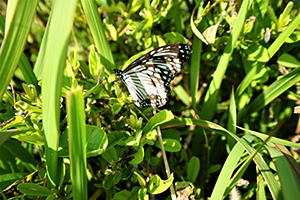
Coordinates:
148 77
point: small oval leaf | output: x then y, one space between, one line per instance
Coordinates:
157 185
158 119
170 145
193 169
34 189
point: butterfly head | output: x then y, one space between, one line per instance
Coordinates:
119 74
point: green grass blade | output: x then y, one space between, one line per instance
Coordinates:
196 58
271 51
157 120
54 64
212 94
247 80
283 36
228 169
19 17
97 30
27 72
2 23
232 119
39 64
258 159
195 69
24 63
77 142
20 152
289 178
179 26
232 114
182 94
273 91
272 139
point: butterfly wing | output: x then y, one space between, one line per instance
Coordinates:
148 78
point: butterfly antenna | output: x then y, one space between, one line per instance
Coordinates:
166 163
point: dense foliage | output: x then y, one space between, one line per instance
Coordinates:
69 128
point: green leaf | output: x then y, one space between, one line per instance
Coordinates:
288 171
112 31
145 24
53 68
134 122
30 90
193 25
288 60
272 139
157 185
232 119
111 179
153 161
77 141
256 52
97 141
116 108
33 189
140 179
269 177
142 194
131 141
110 154
182 94
284 18
262 76
210 33
29 135
228 169
51 197
272 14
115 137
174 37
135 6
214 168
23 106
212 94
96 26
283 36
293 38
68 79
193 169
159 118
122 195
5 135
138 156
170 145
273 91
18 151
18 12
94 62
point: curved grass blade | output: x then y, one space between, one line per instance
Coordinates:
19 17
210 100
54 64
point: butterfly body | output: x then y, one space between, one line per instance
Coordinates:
148 77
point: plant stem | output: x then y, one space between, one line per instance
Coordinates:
166 163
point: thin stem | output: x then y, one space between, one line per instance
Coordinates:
166 163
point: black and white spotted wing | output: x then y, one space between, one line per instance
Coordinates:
148 77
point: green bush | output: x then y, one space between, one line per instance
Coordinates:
69 128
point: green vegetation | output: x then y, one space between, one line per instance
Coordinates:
69 128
